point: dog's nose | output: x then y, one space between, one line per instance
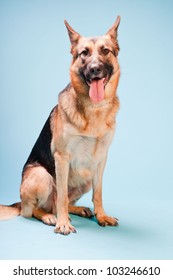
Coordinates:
95 70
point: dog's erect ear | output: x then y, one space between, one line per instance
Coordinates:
73 35
113 31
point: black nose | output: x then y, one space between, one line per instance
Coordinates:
95 71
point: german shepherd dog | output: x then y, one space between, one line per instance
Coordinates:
70 153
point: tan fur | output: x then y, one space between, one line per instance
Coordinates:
9 212
82 133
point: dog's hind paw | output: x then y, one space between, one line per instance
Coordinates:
107 221
64 228
86 212
49 219
80 211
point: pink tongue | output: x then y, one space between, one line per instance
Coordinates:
96 91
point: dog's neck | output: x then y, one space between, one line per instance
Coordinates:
80 111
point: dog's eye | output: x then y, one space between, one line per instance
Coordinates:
84 52
105 51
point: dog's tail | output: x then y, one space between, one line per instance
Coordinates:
9 212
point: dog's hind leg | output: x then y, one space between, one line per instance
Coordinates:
38 195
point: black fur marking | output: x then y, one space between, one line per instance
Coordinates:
41 153
81 73
87 76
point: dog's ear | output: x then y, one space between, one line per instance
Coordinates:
113 31
73 35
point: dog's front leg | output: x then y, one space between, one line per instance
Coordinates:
63 225
101 216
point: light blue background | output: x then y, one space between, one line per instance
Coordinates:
138 180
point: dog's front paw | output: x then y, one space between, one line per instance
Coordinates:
107 221
64 228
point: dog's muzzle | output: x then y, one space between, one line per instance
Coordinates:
94 71
96 76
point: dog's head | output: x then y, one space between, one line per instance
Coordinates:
95 70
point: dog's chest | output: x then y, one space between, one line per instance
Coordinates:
85 150
86 153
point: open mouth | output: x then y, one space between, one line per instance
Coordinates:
97 89
105 80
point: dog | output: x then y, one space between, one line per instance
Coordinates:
69 156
